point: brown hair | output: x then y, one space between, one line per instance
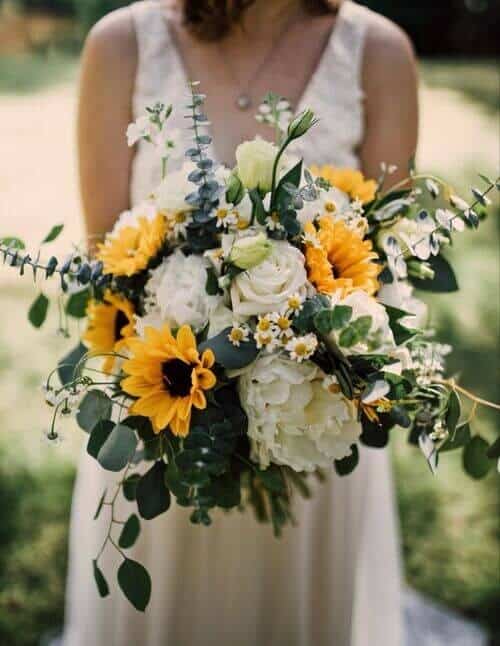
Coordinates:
212 19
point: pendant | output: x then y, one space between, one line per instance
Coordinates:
243 102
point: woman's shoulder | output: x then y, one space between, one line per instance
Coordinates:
112 42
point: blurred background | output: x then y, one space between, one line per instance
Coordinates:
449 523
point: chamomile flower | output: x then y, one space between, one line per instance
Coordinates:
302 347
264 324
226 217
266 340
216 258
178 223
294 304
238 334
310 238
331 384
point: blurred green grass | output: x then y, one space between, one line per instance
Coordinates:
449 523
25 73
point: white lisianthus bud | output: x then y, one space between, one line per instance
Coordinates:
250 251
255 160
301 124
421 270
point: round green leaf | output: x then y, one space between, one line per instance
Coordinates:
98 436
494 450
457 440
453 412
53 233
76 305
129 486
475 458
118 448
228 355
135 583
102 584
38 310
130 532
66 366
152 495
94 407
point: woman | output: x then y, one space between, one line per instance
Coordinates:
334 579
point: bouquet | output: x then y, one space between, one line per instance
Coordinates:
248 329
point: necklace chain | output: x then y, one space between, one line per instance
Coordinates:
244 100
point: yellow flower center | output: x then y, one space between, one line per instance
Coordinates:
294 303
283 323
236 334
263 325
300 349
241 223
275 216
180 217
222 213
330 207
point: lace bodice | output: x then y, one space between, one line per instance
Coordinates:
334 91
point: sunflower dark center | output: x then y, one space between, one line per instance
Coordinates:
121 321
177 377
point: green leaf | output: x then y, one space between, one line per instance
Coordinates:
130 532
258 210
212 284
100 505
129 486
475 458
152 495
66 366
304 321
102 584
453 412
53 233
226 354
346 465
323 321
272 479
444 280
348 337
94 407
118 448
282 197
362 326
76 305
235 189
341 316
38 310
135 583
401 333
98 436
12 243
458 439
494 450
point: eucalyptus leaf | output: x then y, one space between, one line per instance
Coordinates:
118 448
458 439
475 458
444 280
152 495
77 303
494 450
346 465
135 583
130 532
66 366
129 486
38 310
102 584
94 407
53 233
226 354
453 412
98 436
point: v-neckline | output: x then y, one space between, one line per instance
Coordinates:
311 82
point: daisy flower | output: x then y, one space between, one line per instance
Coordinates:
302 347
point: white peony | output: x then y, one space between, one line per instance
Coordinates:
380 337
255 160
292 419
176 293
268 286
171 193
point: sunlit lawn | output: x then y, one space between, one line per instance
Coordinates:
449 523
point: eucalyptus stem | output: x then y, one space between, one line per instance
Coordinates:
477 400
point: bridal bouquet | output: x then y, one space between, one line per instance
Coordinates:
248 329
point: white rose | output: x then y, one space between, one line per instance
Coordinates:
255 160
176 292
292 419
380 337
267 287
171 193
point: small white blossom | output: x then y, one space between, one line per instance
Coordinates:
432 187
449 220
302 347
238 334
142 128
266 340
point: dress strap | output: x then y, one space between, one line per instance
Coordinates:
153 48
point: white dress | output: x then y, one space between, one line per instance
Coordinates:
334 580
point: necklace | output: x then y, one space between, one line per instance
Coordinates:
243 99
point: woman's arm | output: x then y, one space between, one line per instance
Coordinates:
390 82
104 110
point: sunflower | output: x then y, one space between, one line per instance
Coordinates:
168 376
130 251
110 323
339 259
349 180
